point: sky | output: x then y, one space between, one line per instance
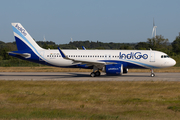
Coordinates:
119 21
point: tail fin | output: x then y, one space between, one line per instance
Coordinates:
23 40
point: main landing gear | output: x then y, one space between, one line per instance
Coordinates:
152 73
94 74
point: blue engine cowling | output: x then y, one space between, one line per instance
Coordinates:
114 69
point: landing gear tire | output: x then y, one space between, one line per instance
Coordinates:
152 74
97 73
92 74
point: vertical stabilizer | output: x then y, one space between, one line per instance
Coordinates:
23 40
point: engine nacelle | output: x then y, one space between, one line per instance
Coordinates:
125 70
114 69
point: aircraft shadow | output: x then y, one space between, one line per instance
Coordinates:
71 75
107 76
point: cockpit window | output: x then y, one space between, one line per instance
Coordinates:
164 56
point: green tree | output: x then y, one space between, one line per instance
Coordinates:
176 45
142 46
4 54
125 47
158 43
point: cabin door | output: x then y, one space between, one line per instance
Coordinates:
152 57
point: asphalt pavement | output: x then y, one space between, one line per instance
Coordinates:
85 76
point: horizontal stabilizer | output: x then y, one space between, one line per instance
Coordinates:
25 55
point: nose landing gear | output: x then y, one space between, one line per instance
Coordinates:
152 73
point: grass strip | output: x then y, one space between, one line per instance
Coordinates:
89 100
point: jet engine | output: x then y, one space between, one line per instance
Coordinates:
114 69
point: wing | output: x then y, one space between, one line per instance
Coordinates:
96 63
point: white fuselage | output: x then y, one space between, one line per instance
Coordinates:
132 58
113 62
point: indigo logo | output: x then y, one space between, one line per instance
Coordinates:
23 31
133 55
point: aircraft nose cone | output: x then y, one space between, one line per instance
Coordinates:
170 62
173 62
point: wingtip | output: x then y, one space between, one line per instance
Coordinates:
83 48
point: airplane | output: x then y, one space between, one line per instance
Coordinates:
112 62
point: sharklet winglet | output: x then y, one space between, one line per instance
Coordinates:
83 48
63 55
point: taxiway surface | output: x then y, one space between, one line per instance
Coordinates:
84 76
